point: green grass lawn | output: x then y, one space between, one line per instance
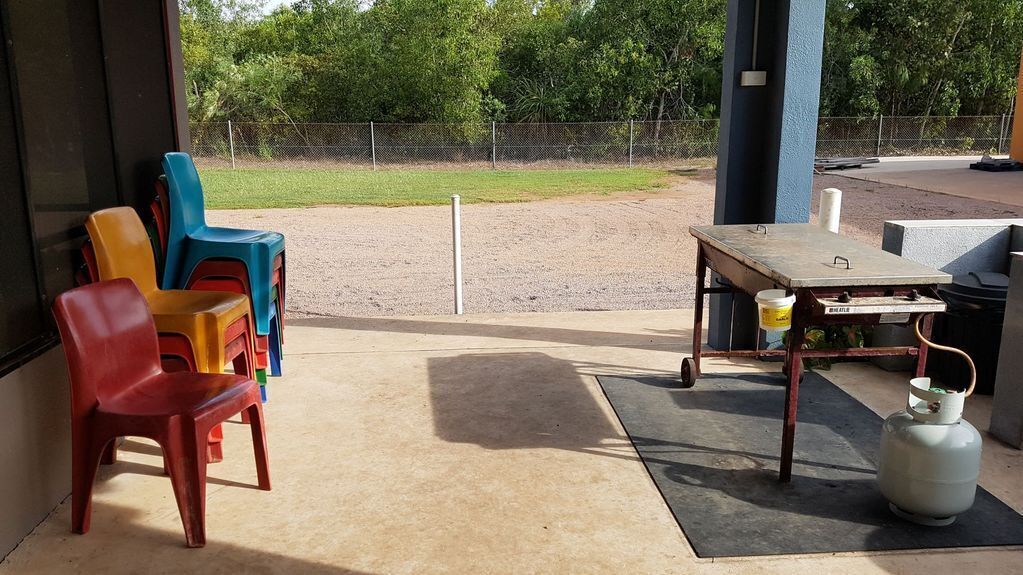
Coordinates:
290 188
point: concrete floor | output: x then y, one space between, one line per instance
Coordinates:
951 176
466 444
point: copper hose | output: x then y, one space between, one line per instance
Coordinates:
926 342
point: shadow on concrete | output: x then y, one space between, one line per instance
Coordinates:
525 333
515 401
141 447
119 543
107 472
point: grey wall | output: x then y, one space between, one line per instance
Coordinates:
1007 404
954 246
35 445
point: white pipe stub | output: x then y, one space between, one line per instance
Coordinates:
456 241
831 209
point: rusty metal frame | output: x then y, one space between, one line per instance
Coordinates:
806 312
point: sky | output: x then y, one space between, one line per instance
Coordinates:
271 4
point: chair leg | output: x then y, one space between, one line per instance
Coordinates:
274 347
244 366
84 464
255 413
109 456
241 365
215 445
247 365
188 478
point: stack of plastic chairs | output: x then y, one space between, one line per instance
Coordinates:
201 257
199 331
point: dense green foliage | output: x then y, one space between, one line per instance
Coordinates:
573 60
280 188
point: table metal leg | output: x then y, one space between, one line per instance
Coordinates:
925 330
797 335
701 278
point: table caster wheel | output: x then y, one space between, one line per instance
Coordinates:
688 372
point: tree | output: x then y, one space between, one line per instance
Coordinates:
850 75
573 60
433 58
683 40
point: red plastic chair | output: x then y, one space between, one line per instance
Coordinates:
118 388
161 227
232 276
213 269
89 255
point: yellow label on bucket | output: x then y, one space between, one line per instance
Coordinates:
775 317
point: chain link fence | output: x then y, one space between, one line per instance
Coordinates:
913 136
568 144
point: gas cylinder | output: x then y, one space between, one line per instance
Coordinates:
930 456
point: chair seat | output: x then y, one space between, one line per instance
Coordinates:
180 309
203 317
180 393
274 240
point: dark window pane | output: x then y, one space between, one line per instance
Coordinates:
61 91
21 311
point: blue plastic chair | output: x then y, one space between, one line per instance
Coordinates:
190 240
275 343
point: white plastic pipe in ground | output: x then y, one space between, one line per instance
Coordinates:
456 239
831 209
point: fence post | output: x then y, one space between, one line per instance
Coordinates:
373 145
630 142
1001 133
456 241
230 140
493 144
880 124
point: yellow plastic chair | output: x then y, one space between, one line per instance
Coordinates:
212 322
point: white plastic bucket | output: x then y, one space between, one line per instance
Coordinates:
775 309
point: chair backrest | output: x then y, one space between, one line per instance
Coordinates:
187 208
109 339
122 247
187 212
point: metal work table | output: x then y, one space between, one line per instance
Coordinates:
836 280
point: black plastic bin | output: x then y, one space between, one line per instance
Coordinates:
973 323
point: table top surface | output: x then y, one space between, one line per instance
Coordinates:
803 256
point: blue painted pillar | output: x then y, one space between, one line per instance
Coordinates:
768 132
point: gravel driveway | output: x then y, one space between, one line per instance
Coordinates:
625 251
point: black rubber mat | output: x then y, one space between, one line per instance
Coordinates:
713 452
